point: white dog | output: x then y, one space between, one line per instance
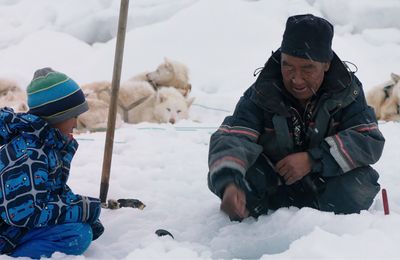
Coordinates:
100 90
95 119
170 73
384 98
166 105
141 88
390 109
98 98
11 95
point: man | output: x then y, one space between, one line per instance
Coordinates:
39 214
302 135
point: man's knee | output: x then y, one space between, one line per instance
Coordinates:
351 192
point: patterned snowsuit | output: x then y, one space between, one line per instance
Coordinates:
34 168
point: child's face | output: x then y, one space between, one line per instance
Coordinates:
66 126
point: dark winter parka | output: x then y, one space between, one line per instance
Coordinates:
34 168
337 128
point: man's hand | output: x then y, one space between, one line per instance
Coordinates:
234 203
294 167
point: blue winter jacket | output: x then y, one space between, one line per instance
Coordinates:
34 167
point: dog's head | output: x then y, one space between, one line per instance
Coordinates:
171 73
163 75
396 87
171 106
395 77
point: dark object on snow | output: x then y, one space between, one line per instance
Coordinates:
132 203
385 202
97 229
124 203
163 232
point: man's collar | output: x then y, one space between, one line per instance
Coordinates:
269 87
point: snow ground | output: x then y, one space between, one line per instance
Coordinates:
165 166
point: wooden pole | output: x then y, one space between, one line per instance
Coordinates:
112 112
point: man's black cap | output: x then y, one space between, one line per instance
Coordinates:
309 37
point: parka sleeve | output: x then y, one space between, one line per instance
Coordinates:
233 147
28 197
7 117
356 143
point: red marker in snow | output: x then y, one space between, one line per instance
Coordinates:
385 202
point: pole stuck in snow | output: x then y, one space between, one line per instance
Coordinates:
112 112
385 202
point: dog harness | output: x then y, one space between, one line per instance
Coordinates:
126 109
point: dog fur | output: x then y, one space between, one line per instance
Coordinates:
130 92
170 73
166 105
385 98
141 88
390 108
11 95
98 98
95 119
100 90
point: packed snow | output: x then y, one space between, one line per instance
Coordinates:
165 166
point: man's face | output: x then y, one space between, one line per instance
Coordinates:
302 77
66 126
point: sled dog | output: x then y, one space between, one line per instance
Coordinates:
170 73
166 105
385 99
11 95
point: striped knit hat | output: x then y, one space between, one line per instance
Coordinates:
54 96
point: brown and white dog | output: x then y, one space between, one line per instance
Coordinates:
170 73
98 98
11 95
141 88
385 99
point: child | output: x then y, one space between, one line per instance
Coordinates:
39 214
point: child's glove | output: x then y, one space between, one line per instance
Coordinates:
97 229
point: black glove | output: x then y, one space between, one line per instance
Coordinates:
97 229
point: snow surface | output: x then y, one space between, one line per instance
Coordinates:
165 166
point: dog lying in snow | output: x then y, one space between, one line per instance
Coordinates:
145 85
98 98
95 119
11 95
390 109
385 99
166 105
170 74
135 91
136 103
